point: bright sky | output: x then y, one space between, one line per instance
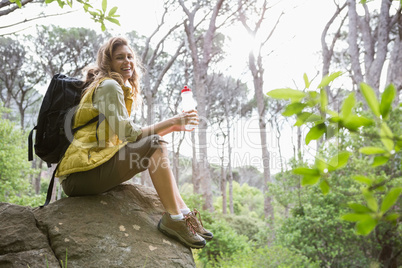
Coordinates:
295 45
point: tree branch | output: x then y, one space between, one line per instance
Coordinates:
13 7
167 66
36 18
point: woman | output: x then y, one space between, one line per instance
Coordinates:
111 151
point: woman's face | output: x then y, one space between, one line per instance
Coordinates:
123 62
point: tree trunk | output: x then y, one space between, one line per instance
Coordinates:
230 169
223 182
373 74
176 155
194 166
275 125
205 181
299 141
394 75
257 73
328 51
228 126
354 51
37 178
375 44
201 58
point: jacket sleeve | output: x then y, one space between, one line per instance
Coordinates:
109 100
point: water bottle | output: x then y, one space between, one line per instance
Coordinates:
187 103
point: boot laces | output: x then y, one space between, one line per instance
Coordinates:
190 224
196 212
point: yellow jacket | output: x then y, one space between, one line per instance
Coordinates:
86 151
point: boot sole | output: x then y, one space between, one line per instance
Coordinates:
206 237
178 237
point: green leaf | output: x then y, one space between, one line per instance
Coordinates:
323 99
112 12
379 160
363 179
113 20
104 5
332 113
61 3
324 187
371 200
306 81
18 2
103 27
386 136
94 14
387 98
321 165
294 108
306 117
365 227
313 118
371 98
335 119
372 150
338 161
358 208
392 217
88 5
49 1
306 171
390 199
310 180
399 140
328 79
354 217
348 105
286 93
354 122
315 132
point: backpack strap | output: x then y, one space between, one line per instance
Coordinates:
30 144
101 118
87 123
50 188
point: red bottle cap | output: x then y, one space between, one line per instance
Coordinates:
185 89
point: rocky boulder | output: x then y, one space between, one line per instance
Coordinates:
115 229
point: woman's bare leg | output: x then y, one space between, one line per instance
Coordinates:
164 181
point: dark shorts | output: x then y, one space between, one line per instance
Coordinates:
127 162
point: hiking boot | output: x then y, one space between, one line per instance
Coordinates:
181 230
198 226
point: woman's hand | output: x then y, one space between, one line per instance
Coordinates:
185 118
176 123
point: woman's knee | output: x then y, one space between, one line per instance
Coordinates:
160 145
160 157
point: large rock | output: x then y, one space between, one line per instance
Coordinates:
21 242
115 229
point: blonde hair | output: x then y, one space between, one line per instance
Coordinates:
93 74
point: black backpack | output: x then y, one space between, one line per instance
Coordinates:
55 122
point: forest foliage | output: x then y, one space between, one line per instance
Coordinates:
311 108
